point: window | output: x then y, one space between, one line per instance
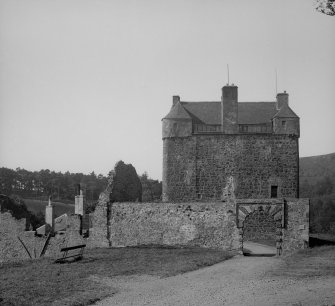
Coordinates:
283 124
274 191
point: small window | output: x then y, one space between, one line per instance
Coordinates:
274 191
283 124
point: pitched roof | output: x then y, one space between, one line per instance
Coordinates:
204 112
210 112
256 112
177 112
248 112
286 112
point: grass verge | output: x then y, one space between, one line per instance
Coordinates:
312 262
42 282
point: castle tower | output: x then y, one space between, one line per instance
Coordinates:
177 124
285 121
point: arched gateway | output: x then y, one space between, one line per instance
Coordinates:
261 221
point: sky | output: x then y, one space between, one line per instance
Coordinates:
85 83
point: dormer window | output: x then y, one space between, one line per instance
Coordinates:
283 124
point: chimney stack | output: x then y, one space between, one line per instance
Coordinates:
229 113
175 99
282 99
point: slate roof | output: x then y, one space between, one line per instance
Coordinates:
256 112
204 112
177 112
210 112
286 112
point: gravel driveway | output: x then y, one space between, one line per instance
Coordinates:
238 281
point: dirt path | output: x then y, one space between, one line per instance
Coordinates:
258 248
239 281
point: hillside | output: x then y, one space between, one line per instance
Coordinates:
36 206
315 168
317 182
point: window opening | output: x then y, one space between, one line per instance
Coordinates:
274 191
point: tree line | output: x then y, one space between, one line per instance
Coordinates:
17 185
62 186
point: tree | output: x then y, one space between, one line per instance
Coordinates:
151 189
326 7
127 186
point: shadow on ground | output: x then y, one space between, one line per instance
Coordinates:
251 248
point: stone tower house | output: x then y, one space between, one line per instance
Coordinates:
252 145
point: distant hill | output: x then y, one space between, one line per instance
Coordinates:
315 168
317 182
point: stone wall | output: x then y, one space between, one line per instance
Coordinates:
197 167
296 232
209 225
10 229
18 244
203 224
99 232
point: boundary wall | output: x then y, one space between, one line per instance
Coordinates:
204 224
216 225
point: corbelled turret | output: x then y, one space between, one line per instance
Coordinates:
178 122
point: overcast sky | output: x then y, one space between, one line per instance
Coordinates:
86 83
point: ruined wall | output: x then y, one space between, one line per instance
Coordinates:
18 244
296 232
209 225
10 229
70 237
197 167
99 233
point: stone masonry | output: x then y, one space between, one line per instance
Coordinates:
217 225
197 167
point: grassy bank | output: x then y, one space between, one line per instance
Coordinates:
313 262
41 282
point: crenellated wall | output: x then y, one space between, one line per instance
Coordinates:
197 167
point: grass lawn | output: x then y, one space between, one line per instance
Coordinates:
42 282
312 262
